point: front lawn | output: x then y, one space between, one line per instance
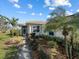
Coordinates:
11 53
5 51
3 38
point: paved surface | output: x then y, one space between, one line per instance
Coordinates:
25 52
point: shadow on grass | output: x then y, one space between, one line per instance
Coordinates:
11 53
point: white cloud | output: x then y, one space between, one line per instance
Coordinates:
71 10
14 1
48 16
17 5
51 8
77 10
69 13
40 14
21 12
30 6
47 2
58 3
33 14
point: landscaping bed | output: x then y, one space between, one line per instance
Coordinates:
3 37
11 52
9 46
52 48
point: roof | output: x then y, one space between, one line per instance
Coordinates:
36 22
21 24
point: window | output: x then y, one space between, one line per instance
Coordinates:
36 28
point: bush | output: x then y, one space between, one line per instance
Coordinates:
34 45
11 53
43 55
58 40
52 38
45 37
15 32
52 44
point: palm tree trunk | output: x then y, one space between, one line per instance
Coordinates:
66 46
72 46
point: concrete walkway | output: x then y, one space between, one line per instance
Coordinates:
25 52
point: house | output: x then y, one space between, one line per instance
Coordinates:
38 27
33 27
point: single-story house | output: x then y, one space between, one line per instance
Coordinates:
33 27
38 27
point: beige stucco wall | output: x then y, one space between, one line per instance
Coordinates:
30 28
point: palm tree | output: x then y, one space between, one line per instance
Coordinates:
58 20
3 23
13 21
74 23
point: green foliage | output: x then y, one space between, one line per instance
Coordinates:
4 36
34 45
5 20
57 19
13 21
3 23
52 44
43 55
46 37
15 32
53 38
68 24
12 53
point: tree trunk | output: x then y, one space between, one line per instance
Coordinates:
72 46
66 47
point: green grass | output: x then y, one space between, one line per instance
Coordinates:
4 36
11 53
6 53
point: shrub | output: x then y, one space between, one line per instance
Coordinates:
43 55
45 37
34 45
52 44
52 38
58 40
11 53
15 32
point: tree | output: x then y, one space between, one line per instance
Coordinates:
14 30
3 23
13 21
74 23
59 20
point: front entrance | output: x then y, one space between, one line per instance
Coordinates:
24 30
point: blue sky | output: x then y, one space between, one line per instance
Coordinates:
29 10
